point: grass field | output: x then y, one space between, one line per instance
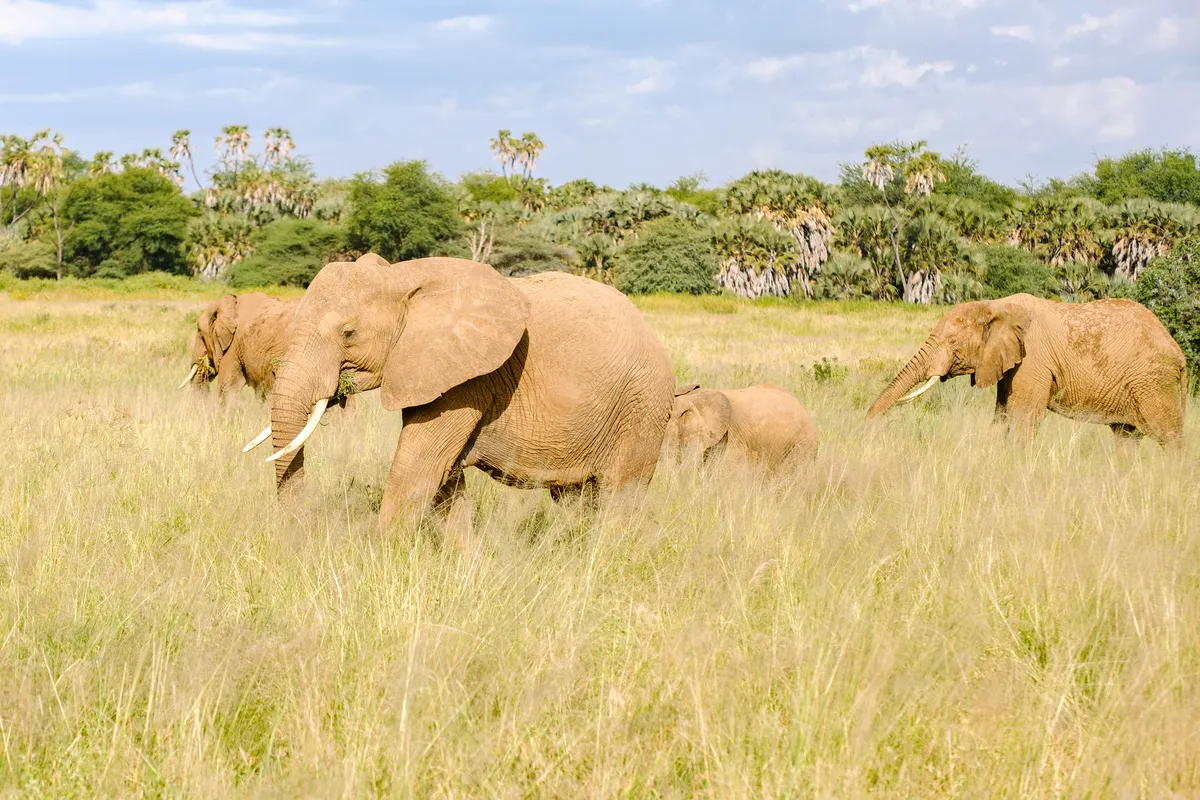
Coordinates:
932 612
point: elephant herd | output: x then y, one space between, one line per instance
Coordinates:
556 381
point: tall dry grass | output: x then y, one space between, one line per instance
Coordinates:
932 611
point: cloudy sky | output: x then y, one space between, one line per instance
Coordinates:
619 90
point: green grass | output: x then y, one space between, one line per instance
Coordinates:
933 611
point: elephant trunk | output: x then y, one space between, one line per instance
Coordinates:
289 413
931 361
301 386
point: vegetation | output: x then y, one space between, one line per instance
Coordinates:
289 253
670 255
402 212
874 627
902 224
1170 287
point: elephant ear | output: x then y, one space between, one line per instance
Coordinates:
218 324
680 391
1003 345
715 412
462 320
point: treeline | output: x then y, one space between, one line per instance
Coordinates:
904 223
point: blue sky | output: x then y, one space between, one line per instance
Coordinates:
619 90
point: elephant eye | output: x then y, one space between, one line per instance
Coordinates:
348 334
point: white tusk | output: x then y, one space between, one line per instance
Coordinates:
257 440
188 379
920 390
313 420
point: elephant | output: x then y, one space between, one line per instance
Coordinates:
550 380
240 340
764 425
1108 361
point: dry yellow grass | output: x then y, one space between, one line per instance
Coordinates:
932 612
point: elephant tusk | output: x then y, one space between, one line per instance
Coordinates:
920 390
314 419
257 440
188 379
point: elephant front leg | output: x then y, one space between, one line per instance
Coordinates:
427 466
1022 399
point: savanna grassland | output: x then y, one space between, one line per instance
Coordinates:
932 611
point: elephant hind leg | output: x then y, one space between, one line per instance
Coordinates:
427 470
1161 418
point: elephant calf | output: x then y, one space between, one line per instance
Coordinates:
1110 362
763 424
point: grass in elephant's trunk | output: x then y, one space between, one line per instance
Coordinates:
933 612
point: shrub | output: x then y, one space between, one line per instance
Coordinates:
289 253
402 212
1170 287
1010 270
35 259
519 251
669 255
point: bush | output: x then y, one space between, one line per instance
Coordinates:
128 222
402 212
1011 270
22 259
519 251
669 255
1170 287
288 253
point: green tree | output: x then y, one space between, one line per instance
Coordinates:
1168 176
402 212
126 222
670 255
1011 270
289 252
1170 287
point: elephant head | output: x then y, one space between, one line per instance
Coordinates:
215 328
699 422
984 339
414 330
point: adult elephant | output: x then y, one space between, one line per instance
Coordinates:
1109 361
764 425
240 340
550 380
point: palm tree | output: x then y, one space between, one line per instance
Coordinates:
279 146
181 149
44 173
528 149
232 146
504 150
101 164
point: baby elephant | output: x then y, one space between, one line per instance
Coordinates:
764 425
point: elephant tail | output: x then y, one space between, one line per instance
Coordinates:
1183 388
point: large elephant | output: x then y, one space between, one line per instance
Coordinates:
764 425
550 380
241 340
1109 362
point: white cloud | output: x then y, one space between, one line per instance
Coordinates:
247 42
23 20
878 68
887 68
1023 33
946 8
1091 24
653 75
477 23
1060 61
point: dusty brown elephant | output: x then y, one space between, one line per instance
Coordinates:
550 380
241 340
764 425
1109 362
